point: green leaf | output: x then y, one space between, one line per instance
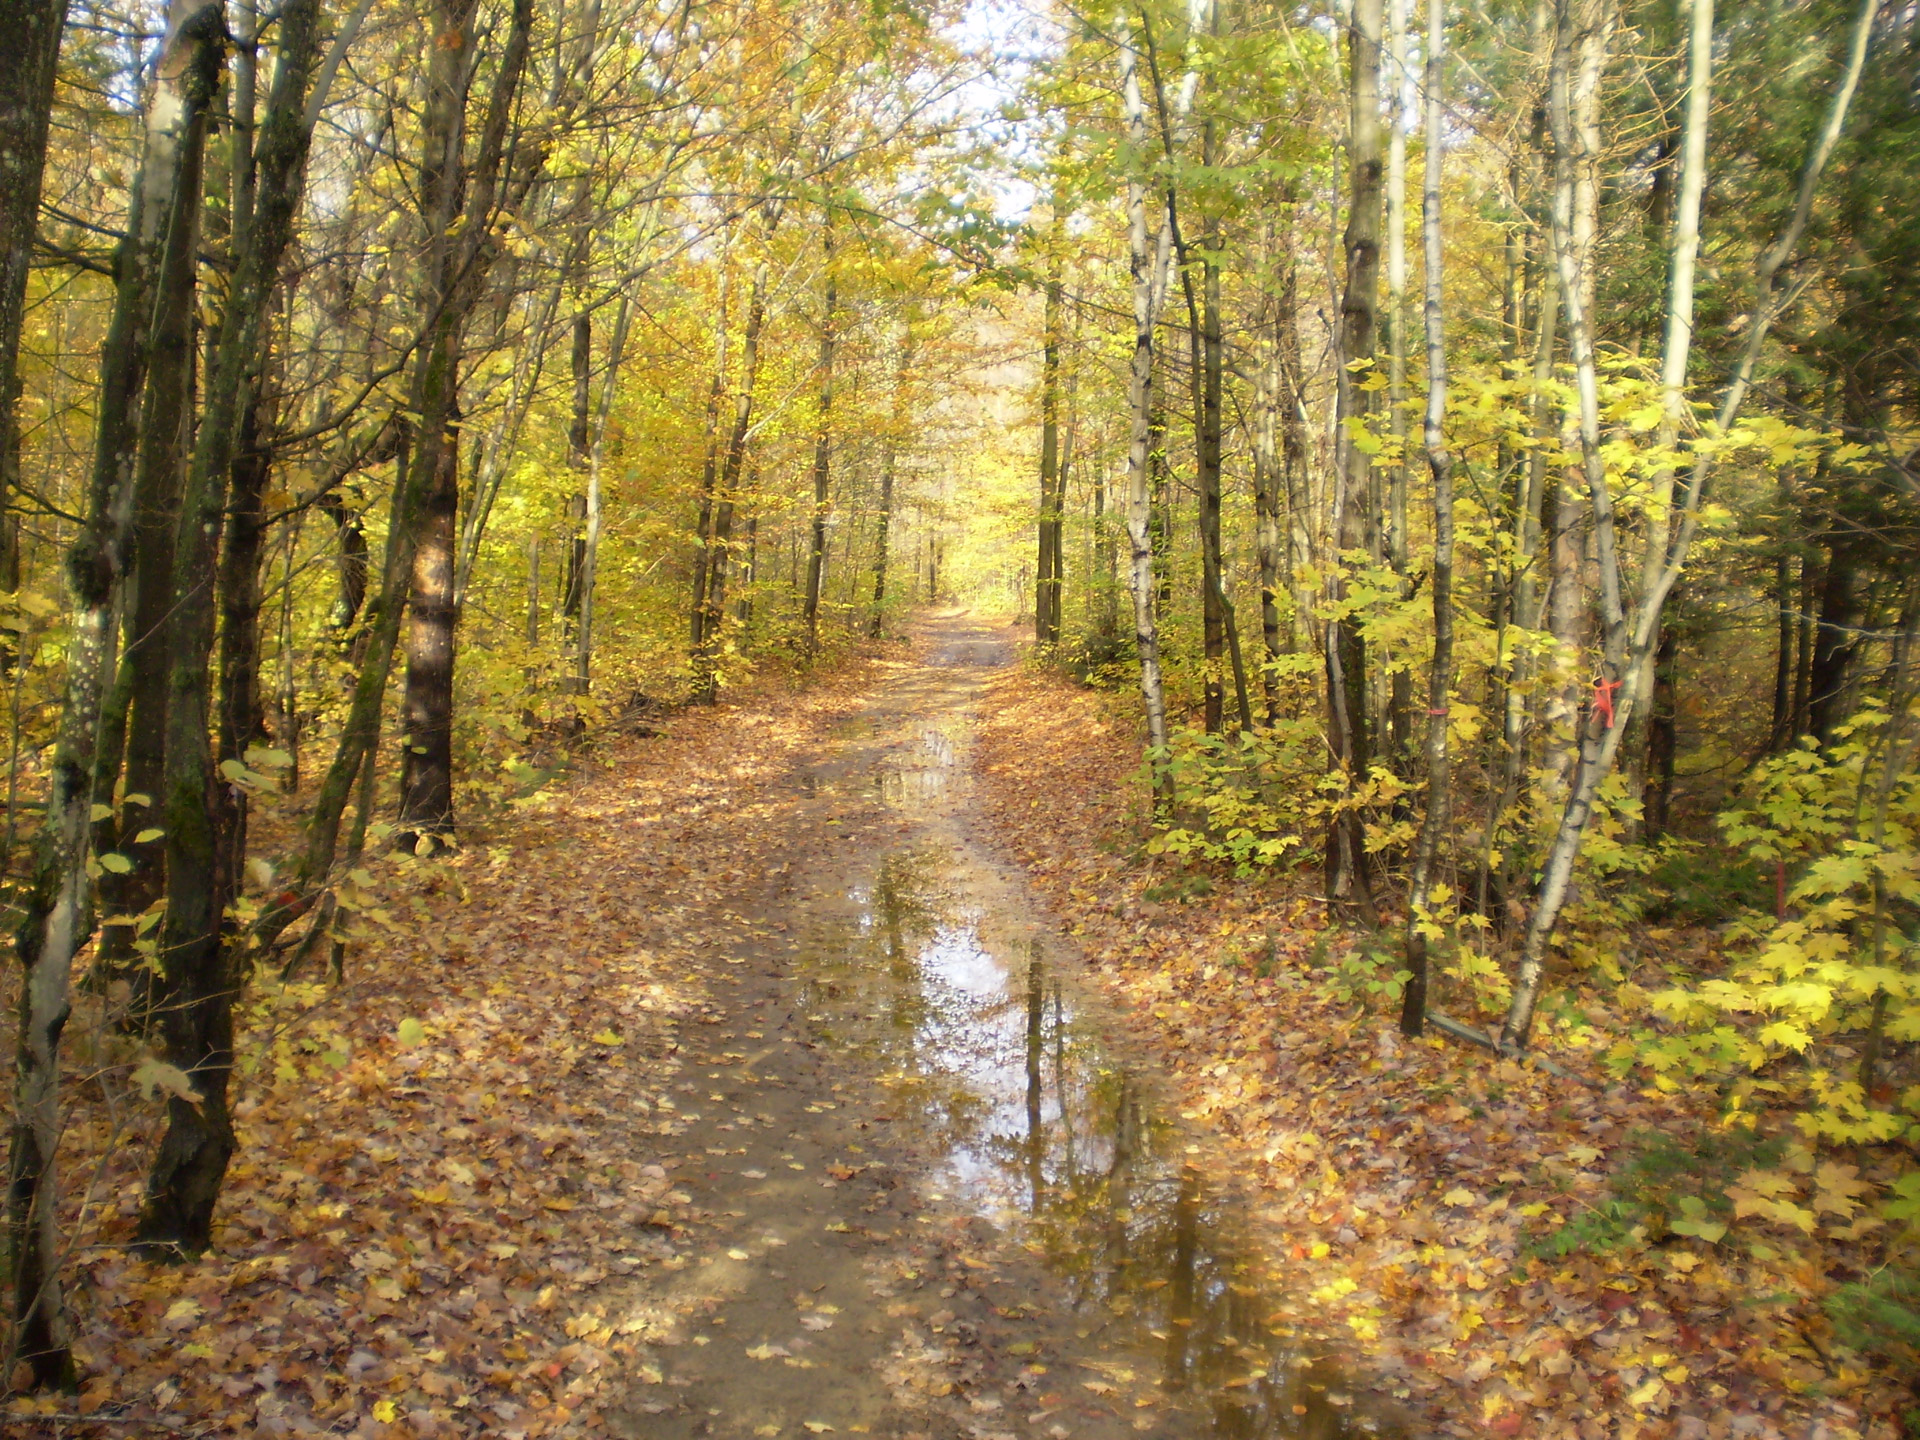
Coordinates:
1907 1207
1695 1221
116 862
410 1033
148 836
102 812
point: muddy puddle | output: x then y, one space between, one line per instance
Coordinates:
933 974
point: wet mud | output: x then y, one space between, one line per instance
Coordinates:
939 1194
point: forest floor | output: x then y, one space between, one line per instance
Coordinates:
817 1066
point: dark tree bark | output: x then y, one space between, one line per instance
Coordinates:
1836 637
1346 650
203 822
241 715
709 483
1434 822
459 258
350 563
1663 748
426 765
577 459
165 425
1273 397
1781 730
28 63
56 901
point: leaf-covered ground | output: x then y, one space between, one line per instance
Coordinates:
459 1170
1418 1185
446 1163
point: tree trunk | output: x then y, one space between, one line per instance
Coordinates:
1662 739
1346 651
165 423
590 558
1205 359
459 256
56 902
1780 732
1433 823
28 63
709 481
889 458
1806 637
822 447
426 765
1836 638
743 607
1399 717
241 715
1148 260
1626 651
577 459
350 564
1583 30
1565 686
205 826
1270 392
1530 514
1295 482
1048 590
1677 347
713 600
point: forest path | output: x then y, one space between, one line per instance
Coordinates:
932 1193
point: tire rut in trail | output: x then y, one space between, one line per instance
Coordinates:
931 1197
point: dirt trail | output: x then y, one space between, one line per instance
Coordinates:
932 1194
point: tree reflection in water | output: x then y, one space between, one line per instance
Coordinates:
1091 1169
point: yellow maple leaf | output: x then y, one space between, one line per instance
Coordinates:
1770 1183
1837 1190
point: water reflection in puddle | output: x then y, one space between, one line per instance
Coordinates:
1043 1127
921 772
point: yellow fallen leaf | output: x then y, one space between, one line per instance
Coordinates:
1652 1390
818 1427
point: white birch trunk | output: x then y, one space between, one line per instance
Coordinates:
1628 652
